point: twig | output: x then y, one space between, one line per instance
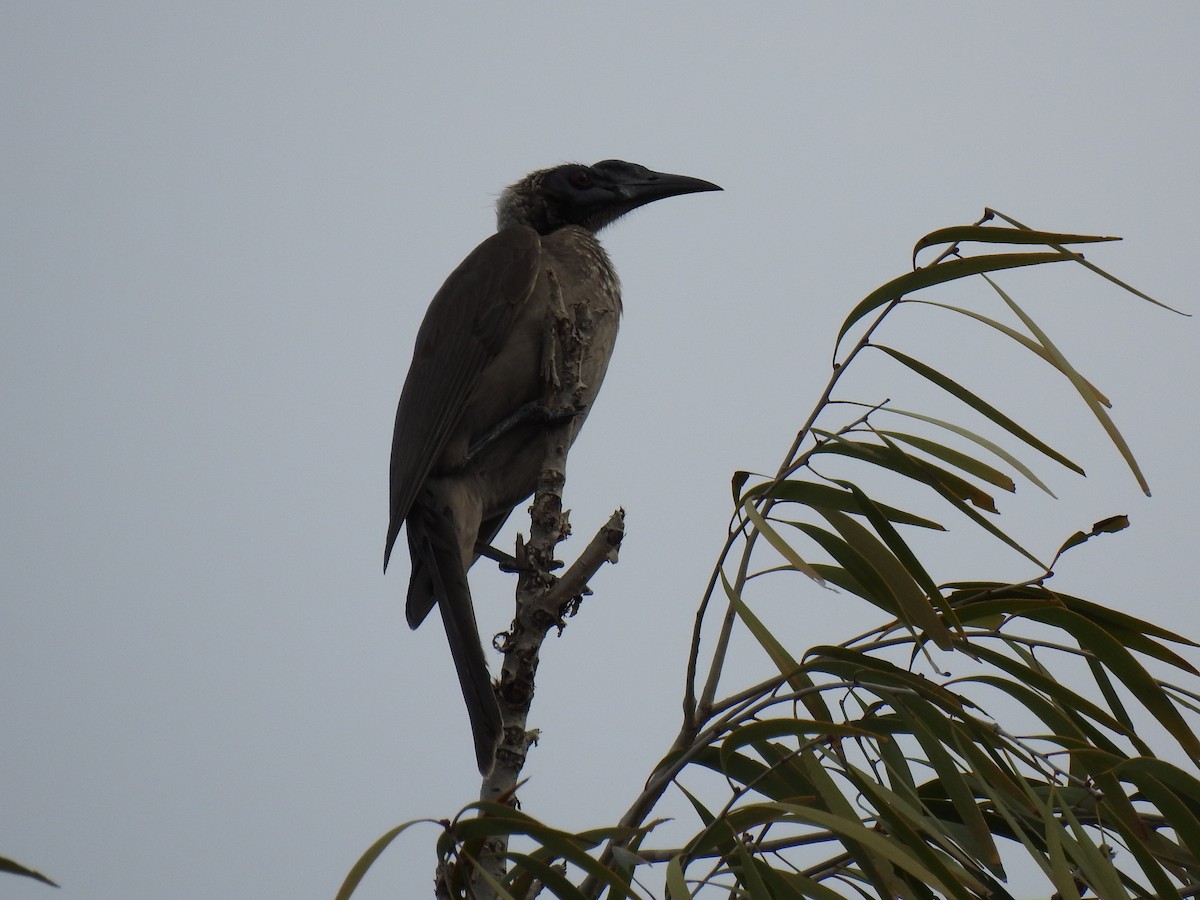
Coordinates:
542 599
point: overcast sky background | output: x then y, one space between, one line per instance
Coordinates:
220 225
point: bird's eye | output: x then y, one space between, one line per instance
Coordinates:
580 178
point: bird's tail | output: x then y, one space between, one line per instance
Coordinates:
436 555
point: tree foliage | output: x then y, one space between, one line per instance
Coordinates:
866 768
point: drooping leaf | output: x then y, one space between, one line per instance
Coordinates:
990 234
1024 340
676 883
1069 701
896 460
787 665
929 728
1095 868
956 458
949 270
1111 618
550 876
776 540
979 405
897 545
978 439
736 483
812 494
915 831
1124 819
12 867
1132 674
497 819
359 870
1081 385
875 588
1099 271
1175 793
915 606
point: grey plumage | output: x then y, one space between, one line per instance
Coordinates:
463 457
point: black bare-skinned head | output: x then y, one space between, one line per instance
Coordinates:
588 196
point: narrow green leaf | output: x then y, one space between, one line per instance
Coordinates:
1001 784
839 577
873 864
990 234
978 439
949 836
915 607
743 769
552 878
928 726
702 811
861 666
1013 818
813 889
979 405
1109 618
902 551
498 819
1064 722
776 540
1056 854
812 494
912 829
1165 795
956 458
1096 869
897 767
13 867
355 876
870 842
1099 271
749 873
677 887
754 815
496 887
1022 339
974 599
949 270
1064 696
1120 815
876 590
1109 692
769 729
787 665
1081 385
1132 674
736 483
894 459
914 468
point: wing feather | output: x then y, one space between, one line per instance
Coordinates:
467 323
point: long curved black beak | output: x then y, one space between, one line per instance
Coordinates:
646 186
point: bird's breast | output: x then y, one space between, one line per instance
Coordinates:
576 288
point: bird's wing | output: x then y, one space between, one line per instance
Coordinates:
466 325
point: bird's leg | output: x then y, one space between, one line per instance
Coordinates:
506 561
530 412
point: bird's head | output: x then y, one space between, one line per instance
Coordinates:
588 196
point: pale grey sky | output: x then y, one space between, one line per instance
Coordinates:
220 225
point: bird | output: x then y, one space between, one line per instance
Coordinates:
466 448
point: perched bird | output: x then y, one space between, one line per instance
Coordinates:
466 448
